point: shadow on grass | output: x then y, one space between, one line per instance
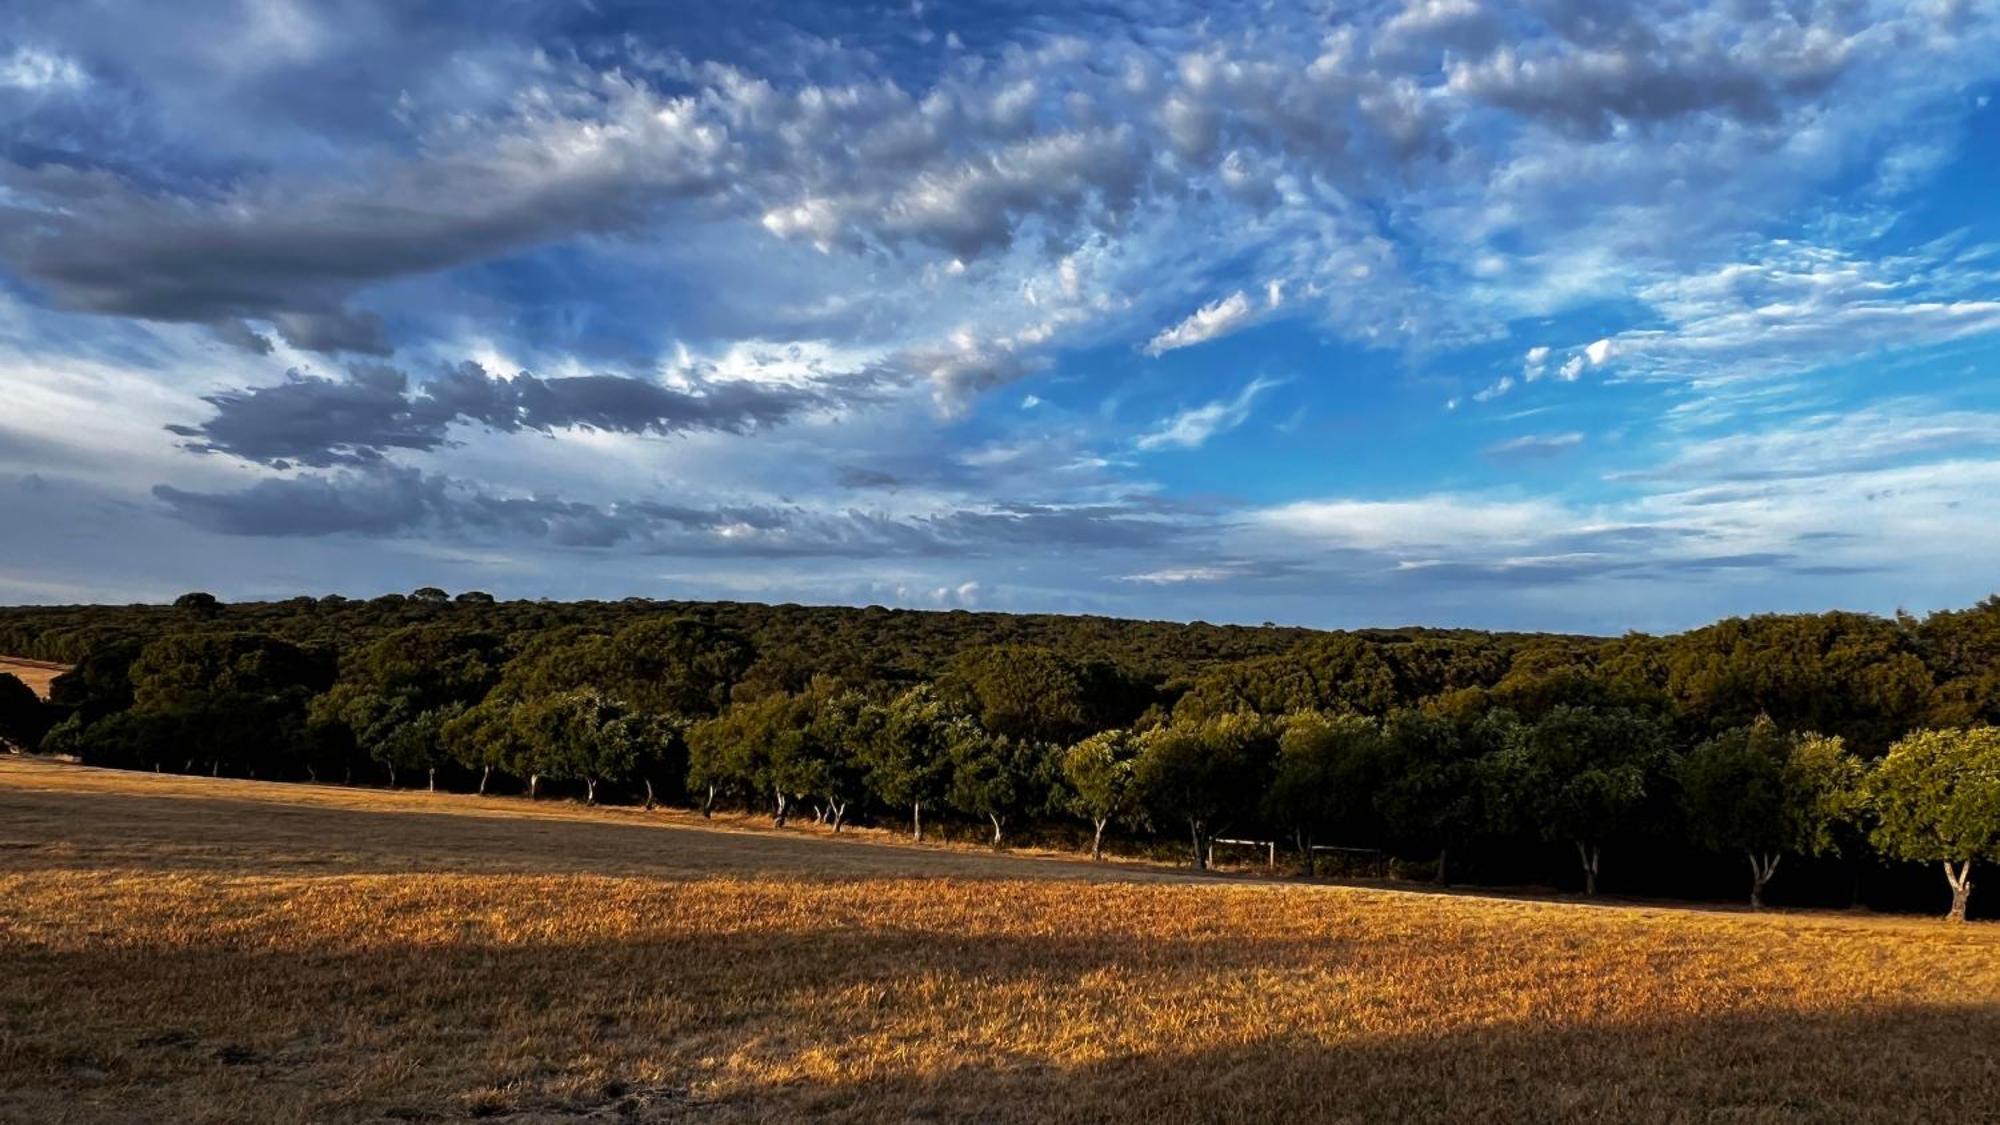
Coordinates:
1894 1066
557 1031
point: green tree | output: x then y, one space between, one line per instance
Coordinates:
1205 774
577 736
754 747
198 603
673 665
659 749
236 701
482 738
24 718
992 776
1769 793
1321 757
908 762
829 760
1038 694
1579 774
1936 798
1335 672
1100 775
1430 794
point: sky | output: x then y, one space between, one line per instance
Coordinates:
1553 315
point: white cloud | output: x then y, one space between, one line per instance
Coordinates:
1463 523
1204 324
1191 429
38 71
1534 445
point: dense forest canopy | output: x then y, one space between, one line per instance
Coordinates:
1848 741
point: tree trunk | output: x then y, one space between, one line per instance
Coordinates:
1443 873
1200 853
215 768
534 786
312 774
778 819
839 814
1961 889
589 790
392 777
1305 843
485 775
708 803
1097 841
995 818
649 793
917 820
431 779
1589 853
1761 869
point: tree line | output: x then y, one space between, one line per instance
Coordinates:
1834 744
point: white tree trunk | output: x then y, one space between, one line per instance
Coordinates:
1762 867
1589 853
1960 878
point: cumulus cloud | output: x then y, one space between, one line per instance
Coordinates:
1419 110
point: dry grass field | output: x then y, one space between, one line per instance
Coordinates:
193 950
37 674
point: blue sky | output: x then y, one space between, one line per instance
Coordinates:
1551 315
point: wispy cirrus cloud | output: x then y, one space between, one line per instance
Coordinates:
1193 427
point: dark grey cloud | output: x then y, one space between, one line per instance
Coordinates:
384 500
384 503
295 253
319 421
1533 447
858 477
1613 62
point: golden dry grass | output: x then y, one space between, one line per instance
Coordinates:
183 949
37 674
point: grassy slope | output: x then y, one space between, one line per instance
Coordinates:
178 948
37 674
